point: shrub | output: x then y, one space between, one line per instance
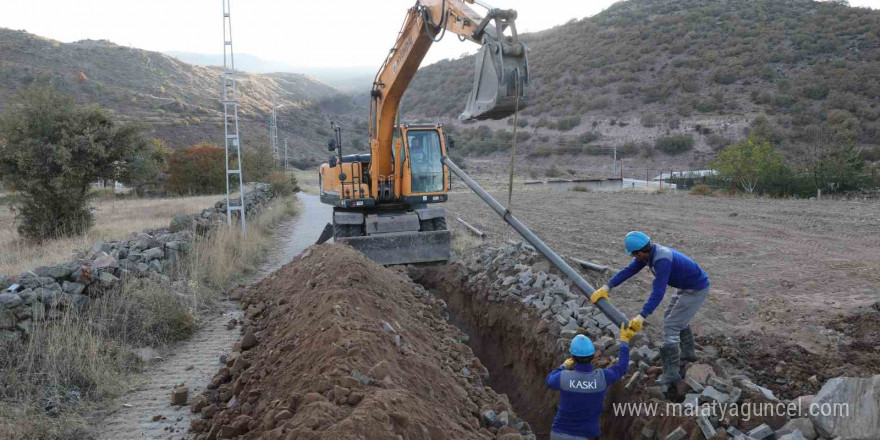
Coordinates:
704 106
590 136
540 152
566 124
717 142
649 120
701 189
258 164
724 76
553 171
503 135
198 169
282 183
53 150
675 144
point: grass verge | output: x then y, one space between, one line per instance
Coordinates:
114 219
79 359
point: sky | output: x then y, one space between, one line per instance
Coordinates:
320 33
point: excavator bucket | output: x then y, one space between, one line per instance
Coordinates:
502 75
403 247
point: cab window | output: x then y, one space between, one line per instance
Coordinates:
425 163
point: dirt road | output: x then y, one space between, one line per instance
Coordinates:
132 417
792 269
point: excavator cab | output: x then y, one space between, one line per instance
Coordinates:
501 77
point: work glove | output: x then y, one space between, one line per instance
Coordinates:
568 364
599 293
626 332
637 323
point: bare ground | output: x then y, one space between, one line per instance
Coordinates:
788 276
145 412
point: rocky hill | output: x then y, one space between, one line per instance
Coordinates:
178 102
647 69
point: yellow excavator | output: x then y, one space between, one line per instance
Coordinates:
384 202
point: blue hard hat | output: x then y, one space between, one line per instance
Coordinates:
635 240
581 346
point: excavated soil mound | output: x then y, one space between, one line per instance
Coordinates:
338 347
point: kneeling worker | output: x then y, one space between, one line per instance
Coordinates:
675 269
582 389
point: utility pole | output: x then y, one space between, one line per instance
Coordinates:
285 154
614 164
232 140
273 133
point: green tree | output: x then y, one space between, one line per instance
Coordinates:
832 159
198 169
258 163
147 168
53 150
748 163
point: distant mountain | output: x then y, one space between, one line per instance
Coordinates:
179 102
646 69
347 79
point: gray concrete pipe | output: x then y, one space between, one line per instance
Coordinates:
606 307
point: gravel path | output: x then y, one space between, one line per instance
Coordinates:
150 398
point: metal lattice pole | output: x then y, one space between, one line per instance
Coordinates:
285 154
273 133
232 140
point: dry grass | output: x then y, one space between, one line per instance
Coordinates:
227 255
462 239
80 359
307 179
114 219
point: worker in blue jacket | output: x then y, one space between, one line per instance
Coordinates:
582 389
670 268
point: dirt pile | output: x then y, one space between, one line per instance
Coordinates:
337 347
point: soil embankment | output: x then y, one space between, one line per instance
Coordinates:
337 347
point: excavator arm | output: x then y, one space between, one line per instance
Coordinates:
500 81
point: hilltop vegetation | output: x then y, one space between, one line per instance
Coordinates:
180 103
647 69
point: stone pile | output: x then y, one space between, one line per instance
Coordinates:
154 256
517 270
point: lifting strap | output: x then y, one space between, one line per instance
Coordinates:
513 149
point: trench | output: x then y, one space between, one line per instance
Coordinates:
519 352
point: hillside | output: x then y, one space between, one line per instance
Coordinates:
346 79
178 102
646 69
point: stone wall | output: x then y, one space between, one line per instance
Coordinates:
151 256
